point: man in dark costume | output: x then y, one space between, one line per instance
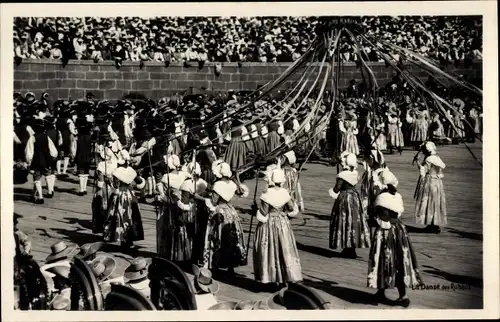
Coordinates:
40 153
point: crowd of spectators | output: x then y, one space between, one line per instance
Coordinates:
242 39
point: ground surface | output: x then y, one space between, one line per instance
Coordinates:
451 259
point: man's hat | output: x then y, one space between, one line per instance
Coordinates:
137 271
87 251
203 279
61 250
103 266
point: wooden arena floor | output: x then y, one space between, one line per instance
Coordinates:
452 259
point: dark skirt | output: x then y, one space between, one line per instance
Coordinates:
272 141
392 261
98 215
177 146
260 146
123 222
348 224
236 153
250 146
66 143
83 155
173 234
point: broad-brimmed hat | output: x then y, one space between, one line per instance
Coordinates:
60 303
61 250
87 251
103 266
60 269
224 306
137 271
203 279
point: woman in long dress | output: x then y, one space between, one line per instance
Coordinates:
381 138
108 154
236 152
123 222
171 231
373 163
224 239
348 225
349 129
392 261
292 183
420 127
273 139
430 208
458 120
275 253
396 140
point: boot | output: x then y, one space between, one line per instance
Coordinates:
38 192
51 181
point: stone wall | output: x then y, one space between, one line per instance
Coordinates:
155 80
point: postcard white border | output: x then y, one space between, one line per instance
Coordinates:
490 149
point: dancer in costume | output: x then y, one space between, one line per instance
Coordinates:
380 130
458 120
392 261
83 157
65 125
348 226
224 239
349 129
40 155
173 240
273 139
292 183
374 160
123 222
107 154
430 208
198 216
395 133
236 153
55 136
275 253
420 126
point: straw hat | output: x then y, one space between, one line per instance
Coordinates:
137 271
90 249
60 303
103 266
224 306
61 250
203 279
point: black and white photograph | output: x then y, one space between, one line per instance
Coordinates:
237 161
